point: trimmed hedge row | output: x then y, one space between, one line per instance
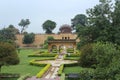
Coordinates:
46 67
42 55
72 55
70 50
60 69
40 74
32 62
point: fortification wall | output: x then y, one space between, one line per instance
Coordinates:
40 38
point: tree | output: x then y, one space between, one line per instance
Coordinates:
24 24
46 41
28 38
99 26
7 35
104 58
8 55
116 23
48 26
14 30
65 29
79 20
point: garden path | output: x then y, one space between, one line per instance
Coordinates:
51 74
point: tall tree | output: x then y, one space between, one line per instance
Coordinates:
24 24
116 22
48 26
8 55
78 21
99 24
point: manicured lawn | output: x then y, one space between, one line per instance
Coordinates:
75 69
23 67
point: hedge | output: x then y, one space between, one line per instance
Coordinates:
40 74
42 55
70 65
46 67
60 69
73 55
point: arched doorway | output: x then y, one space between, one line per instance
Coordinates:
54 49
62 49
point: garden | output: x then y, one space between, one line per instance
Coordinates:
28 65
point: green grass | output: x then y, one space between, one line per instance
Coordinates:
23 67
75 69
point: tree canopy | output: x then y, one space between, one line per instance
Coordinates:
48 26
24 24
65 29
78 21
28 38
102 23
8 35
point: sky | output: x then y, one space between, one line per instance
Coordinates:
38 11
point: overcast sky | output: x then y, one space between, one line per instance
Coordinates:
38 11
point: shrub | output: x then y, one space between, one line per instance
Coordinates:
73 55
40 74
70 65
42 55
70 50
71 58
60 70
32 62
8 54
86 57
54 51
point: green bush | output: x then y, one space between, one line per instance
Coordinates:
54 51
60 71
72 58
70 50
32 62
42 55
40 74
86 57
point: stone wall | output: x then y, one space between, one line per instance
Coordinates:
40 38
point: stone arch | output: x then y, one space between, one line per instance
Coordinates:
54 47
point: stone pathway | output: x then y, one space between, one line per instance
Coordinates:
52 72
